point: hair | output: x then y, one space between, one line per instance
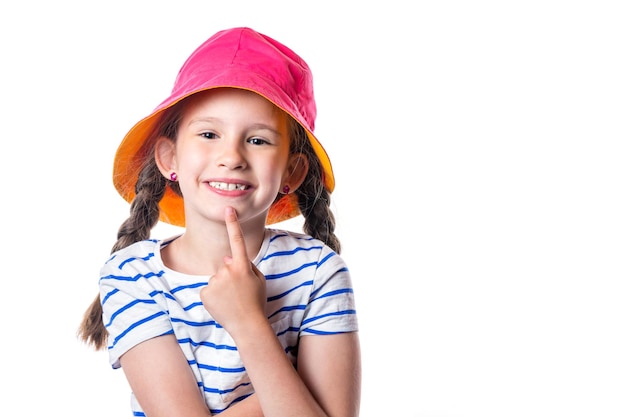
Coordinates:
313 202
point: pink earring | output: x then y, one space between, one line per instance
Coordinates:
286 189
173 177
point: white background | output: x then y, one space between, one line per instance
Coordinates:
479 153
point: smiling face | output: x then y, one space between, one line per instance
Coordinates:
232 149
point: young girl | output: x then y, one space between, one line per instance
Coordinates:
230 317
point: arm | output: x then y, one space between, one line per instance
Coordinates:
163 383
162 380
331 367
328 381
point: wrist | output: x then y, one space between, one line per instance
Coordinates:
250 329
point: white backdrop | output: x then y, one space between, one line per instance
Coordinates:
479 153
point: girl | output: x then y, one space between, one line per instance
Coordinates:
230 317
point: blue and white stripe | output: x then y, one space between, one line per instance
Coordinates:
309 292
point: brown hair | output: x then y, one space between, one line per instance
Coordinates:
313 201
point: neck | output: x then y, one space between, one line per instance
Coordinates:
201 251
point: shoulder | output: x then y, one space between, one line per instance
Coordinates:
142 256
285 239
285 242
299 247
138 267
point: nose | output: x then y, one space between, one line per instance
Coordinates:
231 154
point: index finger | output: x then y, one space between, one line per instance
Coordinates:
235 235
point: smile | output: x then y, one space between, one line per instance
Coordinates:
228 186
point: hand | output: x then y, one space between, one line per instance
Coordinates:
235 295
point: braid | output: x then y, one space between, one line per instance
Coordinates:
144 215
144 210
313 197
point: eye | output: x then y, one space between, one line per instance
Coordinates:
208 135
257 141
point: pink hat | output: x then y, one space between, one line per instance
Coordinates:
238 58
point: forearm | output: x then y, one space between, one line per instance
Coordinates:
279 389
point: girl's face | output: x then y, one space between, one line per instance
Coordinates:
232 150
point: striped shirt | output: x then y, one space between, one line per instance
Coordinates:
309 292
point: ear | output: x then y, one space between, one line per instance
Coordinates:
297 168
164 152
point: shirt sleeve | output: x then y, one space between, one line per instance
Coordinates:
331 308
133 307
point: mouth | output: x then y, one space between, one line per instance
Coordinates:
228 186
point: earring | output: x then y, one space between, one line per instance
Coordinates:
286 189
173 177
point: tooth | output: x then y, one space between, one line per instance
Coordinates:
227 186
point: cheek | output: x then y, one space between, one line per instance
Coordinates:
188 159
275 172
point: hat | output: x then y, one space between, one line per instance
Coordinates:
237 58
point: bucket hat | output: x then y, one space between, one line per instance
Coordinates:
237 58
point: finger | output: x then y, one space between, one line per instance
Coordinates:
235 236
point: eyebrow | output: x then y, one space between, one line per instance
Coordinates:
254 126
